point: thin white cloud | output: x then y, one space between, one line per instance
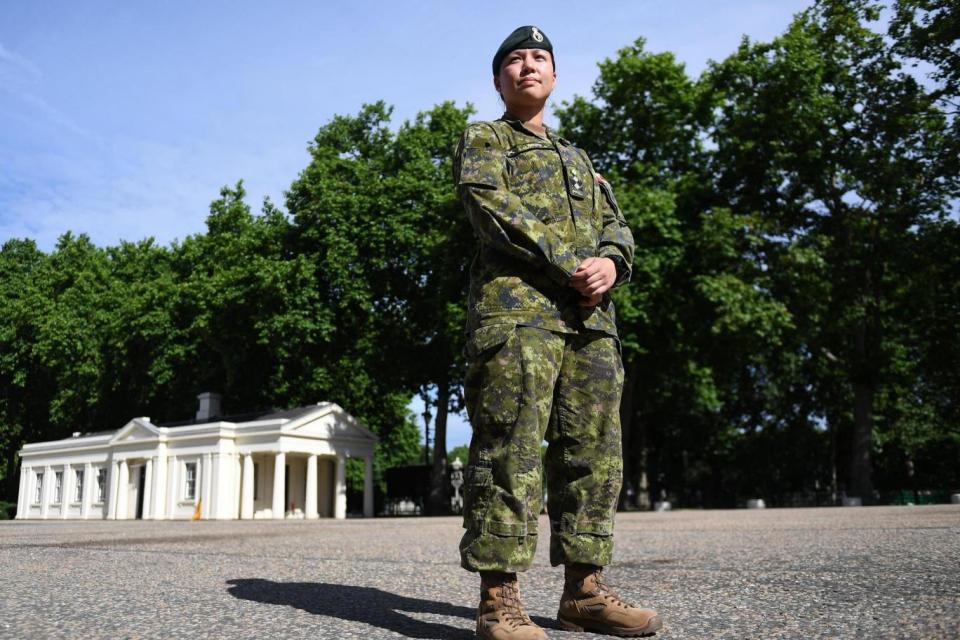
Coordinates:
136 189
13 64
21 79
50 113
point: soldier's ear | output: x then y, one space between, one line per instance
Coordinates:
496 83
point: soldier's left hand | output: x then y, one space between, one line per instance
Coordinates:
594 277
592 301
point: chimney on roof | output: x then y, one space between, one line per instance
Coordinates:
209 405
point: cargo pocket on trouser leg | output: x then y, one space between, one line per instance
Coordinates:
586 541
492 545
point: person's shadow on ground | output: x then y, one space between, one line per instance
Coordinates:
358 604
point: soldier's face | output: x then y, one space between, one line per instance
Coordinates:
526 77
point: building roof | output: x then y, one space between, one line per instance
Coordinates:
265 414
337 424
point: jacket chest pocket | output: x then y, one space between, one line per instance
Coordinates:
534 166
536 175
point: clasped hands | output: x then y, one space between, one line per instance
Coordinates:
593 278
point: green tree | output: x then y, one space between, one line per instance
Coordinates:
22 378
374 215
437 285
697 319
824 135
929 30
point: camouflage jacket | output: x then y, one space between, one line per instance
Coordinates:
538 209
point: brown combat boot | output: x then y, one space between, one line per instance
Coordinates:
588 604
501 615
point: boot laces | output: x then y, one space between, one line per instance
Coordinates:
512 607
606 590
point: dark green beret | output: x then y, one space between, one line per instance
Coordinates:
528 37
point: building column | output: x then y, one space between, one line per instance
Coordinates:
123 480
218 485
310 509
340 489
23 499
279 476
236 492
368 487
46 491
205 493
147 490
246 493
112 478
225 494
88 482
159 496
66 491
171 497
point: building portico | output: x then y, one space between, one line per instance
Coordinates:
272 465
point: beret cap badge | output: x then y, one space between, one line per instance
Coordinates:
535 34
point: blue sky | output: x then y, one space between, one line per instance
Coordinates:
123 120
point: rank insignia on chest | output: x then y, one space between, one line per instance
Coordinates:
575 183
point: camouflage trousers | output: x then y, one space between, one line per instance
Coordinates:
524 385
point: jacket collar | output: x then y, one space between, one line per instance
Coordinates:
517 124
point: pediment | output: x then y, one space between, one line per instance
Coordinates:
135 430
330 422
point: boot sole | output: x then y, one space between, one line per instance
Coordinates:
653 625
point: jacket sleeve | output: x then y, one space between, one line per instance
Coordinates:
499 217
616 240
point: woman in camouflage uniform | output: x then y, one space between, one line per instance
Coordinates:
544 359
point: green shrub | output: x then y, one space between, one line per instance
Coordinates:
8 510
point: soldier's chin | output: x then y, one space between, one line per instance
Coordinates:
527 98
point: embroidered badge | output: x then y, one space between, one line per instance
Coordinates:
535 34
576 184
575 178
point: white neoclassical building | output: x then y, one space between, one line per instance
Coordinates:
273 464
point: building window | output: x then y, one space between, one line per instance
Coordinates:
78 486
190 481
101 484
256 481
38 495
57 487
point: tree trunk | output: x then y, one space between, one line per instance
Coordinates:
832 428
627 440
634 444
864 390
439 500
861 482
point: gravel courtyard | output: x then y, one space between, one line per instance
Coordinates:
883 572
